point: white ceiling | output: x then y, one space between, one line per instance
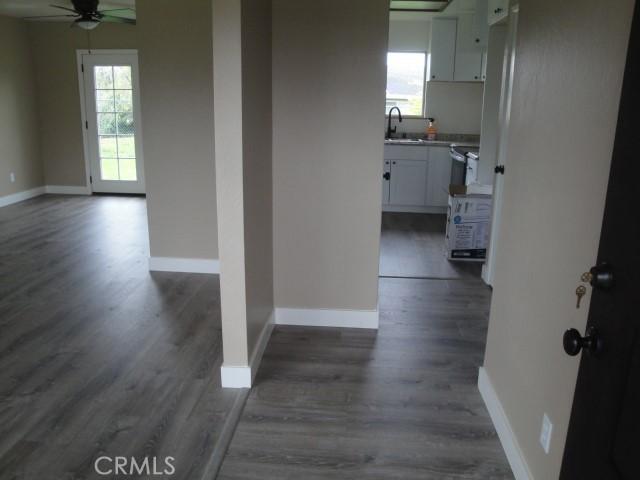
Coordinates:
29 8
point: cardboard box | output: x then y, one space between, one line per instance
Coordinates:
468 227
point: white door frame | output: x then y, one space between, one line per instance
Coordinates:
83 110
488 269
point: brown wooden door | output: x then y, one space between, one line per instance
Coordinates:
603 440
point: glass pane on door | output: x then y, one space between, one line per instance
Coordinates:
116 129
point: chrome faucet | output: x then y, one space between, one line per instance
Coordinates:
389 129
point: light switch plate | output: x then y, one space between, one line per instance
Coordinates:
545 433
12 177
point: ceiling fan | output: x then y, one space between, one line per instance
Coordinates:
87 15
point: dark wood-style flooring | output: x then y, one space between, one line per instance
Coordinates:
412 245
98 356
399 403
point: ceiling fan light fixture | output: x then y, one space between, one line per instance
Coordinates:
87 24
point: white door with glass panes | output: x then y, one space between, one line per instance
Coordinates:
112 122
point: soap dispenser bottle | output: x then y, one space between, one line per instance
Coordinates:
432 132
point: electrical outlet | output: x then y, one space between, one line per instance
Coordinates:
545 433
12 177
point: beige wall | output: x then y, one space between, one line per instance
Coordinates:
568 74
242 94
60 133
175 57
19 143
227 81
328 88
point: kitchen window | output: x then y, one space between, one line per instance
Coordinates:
405 82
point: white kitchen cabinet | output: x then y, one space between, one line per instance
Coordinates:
498 10
443 49
419 178
468 59
386 180
468 67
408 185
481 24
438 176
483 73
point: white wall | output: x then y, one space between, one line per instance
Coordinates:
328 89
569 65
456 106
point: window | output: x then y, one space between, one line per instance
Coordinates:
405 82
116 136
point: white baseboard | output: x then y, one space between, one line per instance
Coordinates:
327 318
503 428
185 265
20 196
235 377
411 209
68 190
243 376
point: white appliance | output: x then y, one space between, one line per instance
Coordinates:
471 175
464 169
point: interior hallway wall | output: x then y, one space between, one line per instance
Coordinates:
242 95
570 59
176 85
328 90
257 164
19 143
54 47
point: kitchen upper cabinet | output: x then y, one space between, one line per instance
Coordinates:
458 46
481 25
468 59
483 73
438 177
497 11
443 49
408 185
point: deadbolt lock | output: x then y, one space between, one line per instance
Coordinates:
599 276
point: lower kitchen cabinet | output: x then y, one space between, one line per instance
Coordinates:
416 179
438 177
408 184
386 180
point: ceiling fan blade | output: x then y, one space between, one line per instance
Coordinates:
49 16
65 8
112 19
118 10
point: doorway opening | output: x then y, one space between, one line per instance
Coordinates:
110 100
432 142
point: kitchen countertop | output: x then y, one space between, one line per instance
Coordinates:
442 140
